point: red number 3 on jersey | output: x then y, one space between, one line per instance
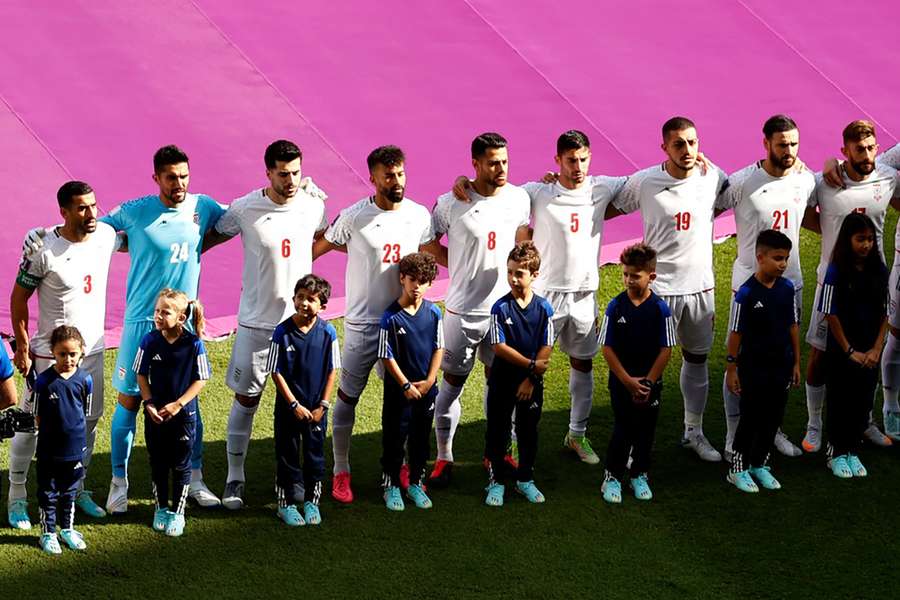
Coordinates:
88 286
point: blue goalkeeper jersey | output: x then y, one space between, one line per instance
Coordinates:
164 245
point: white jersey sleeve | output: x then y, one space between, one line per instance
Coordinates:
890 158
440 216
230 223
628 199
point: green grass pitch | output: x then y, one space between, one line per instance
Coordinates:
699 537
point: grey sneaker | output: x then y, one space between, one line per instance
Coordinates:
233 496
699 444
785 446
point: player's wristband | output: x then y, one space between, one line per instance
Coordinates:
850 351
531 365
406 386
730 359
294 405
325 404
147 402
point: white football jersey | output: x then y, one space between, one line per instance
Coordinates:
568 231
678 222
480 235
277 240
870 196
890 157
70 279
376 240
762 201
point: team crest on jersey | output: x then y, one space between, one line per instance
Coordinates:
121 372
876 192
196 218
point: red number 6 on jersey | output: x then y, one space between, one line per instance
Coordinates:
285 248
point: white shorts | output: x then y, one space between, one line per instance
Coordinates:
695 316
92 363
575 323
463 336
817 334
359 355
246 374
893 282
798 302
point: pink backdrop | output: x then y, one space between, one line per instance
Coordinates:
91 88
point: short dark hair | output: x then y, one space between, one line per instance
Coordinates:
64 333
388 156
640 256
486 141
419 266
778 124
316 286
281 150
858 130
67 192
572 140
771 239
676 124
526 253
168 155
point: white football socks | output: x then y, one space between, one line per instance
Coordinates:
732 404
581 391
447 411
240 424
342 427
694 381
815 398
21 451
890 374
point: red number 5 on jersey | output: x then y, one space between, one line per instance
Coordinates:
573 227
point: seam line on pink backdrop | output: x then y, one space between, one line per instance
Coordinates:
552 85
813 66
278 91
34 134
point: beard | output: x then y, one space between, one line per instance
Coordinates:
394 194
864 167
785 162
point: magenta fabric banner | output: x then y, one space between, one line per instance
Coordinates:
90 89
